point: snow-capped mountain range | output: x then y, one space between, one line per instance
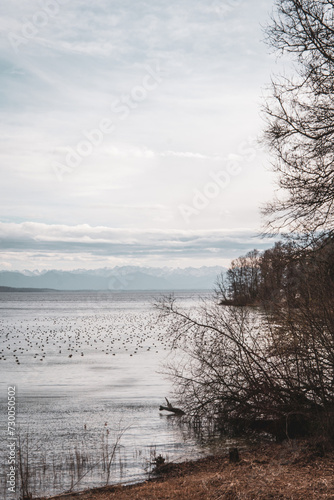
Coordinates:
117 278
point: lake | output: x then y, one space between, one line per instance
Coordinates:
87 369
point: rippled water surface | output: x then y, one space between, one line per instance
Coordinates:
87 368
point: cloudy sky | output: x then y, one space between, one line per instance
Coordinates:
129 132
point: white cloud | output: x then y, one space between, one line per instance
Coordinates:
62 81
188 154
31 238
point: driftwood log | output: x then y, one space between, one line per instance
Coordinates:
170 407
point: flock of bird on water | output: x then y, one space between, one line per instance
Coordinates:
74 336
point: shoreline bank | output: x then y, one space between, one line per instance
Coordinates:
291 470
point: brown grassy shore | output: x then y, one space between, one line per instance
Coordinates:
292 470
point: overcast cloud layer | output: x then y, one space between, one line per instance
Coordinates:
129 132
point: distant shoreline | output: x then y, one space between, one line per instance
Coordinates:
13 289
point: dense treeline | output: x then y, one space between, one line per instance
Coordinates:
284 274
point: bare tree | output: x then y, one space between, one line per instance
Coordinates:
278 362
300 117
262 370
243 279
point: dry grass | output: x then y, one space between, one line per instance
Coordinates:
287 471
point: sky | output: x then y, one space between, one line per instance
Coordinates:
130 132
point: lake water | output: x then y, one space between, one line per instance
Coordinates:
87 367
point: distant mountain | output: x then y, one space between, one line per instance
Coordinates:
117 278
